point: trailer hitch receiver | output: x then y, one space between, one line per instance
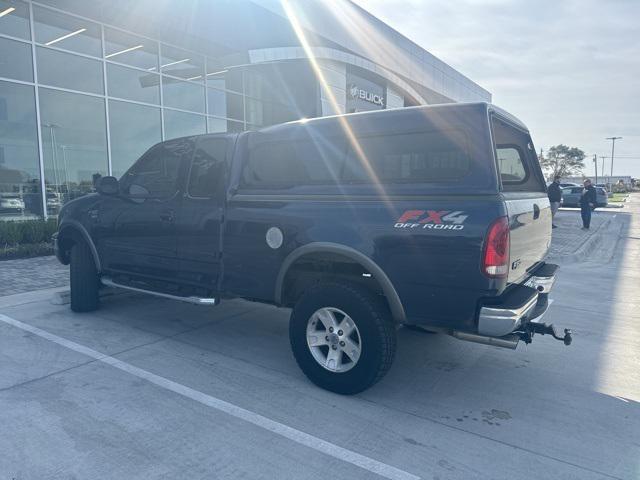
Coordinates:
543 329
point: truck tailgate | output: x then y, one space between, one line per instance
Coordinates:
530 224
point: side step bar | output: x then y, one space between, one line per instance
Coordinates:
194 300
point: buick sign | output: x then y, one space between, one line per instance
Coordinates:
357 92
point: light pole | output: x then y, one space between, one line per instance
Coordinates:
613 147
595 164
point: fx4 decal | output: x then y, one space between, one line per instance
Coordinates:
432 219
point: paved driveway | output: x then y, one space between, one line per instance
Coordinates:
147 388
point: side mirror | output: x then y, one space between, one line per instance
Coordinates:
108 186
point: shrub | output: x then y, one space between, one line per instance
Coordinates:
13 233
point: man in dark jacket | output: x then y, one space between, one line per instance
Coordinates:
588 201
555 197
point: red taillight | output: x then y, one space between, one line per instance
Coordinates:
495 262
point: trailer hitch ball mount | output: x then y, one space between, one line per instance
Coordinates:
543 329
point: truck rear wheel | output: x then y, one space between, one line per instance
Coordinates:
342 337
84 279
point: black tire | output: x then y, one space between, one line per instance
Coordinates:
375 327
84 279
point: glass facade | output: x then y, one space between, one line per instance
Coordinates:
79 98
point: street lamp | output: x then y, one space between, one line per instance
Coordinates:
613 147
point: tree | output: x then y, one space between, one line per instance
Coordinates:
563 161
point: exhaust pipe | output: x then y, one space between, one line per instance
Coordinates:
508 341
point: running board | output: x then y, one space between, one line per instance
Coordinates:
194 300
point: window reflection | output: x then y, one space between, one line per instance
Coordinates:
15 60
60 69
220 125
131 50
63 31
179 124
183 95
133 84
74 144
14 20
19 170
134 128
181 63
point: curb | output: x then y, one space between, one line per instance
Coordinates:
590 245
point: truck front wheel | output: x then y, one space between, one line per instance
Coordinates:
342 337
84 279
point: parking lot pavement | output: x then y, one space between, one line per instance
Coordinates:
149 388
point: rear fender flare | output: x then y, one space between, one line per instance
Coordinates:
395 305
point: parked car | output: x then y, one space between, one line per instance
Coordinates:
53 203
11 203
428 216
568 185
571 197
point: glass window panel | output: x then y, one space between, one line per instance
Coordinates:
63 31
255 111
134 129
183 95
15 19
74 143
206 178
15 60
129 49
234 127
216 74
156 173
216 125
19 170
133 84
66 70
85 8
179 124
220 125
181 63
217 102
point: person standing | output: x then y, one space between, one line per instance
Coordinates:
588 201
555 197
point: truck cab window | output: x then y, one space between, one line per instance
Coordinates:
207 168
156 173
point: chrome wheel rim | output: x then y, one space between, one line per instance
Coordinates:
334 339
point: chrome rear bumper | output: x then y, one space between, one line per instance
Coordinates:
523 303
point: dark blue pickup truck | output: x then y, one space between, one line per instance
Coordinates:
431 217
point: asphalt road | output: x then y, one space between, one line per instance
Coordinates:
147 388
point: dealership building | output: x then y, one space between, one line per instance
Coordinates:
86 86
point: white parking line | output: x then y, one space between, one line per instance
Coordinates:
369 464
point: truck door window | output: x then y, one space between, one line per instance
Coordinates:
156 173
208 166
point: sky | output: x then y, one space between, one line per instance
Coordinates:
569 69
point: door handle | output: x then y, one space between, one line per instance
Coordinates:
536 211
168 216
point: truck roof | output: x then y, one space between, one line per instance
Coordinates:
483 107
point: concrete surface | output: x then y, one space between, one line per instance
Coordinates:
446 410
